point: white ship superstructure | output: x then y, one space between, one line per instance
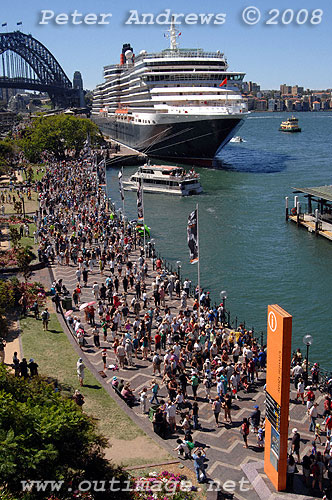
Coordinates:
182 104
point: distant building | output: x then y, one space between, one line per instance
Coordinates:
253 87
260 105
245 87
78 84
7 120
285 89
19 103
316 106
297 91
271 105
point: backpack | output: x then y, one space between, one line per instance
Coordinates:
244 429
190 445
44 315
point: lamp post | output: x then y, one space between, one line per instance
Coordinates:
223 297
152 252
22 200
307 340
178 263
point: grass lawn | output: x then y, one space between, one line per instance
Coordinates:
30 205
37 176
57 358
27 240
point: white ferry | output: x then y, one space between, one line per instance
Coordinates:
165 179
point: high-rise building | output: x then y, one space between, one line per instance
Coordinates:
285 89
78 84
77 80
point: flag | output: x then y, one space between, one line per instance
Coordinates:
224 82
192 237
19 24
121 185
4 24
140 209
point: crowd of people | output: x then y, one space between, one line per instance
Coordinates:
135 314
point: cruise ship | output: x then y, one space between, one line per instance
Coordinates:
179 105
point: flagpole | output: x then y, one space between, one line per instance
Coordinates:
142 185
198 272
123 202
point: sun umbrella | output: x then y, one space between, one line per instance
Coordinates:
68 313
92 303
83 306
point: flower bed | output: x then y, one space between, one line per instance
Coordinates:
13 219
8 258
163 486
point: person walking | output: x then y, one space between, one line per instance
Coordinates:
104 358
96 339
120 354
313 414
198 457
45 316
194 384
155 388
227 405
2 350
291 468
80 371
245 432
255 418
143 400
195 415
295 445
216 407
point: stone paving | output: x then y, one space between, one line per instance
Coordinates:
227 459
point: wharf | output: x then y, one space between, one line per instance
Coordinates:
316 213
308 221
123 155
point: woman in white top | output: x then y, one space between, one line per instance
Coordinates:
80 370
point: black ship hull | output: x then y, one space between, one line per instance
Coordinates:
189 142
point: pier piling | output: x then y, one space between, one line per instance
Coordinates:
287 214
316 222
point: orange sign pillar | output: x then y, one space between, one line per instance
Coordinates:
279 344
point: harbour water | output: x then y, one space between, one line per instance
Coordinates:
246 246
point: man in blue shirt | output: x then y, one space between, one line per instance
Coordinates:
198 457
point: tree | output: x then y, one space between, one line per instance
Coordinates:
24 257
14 236
57 133
44 436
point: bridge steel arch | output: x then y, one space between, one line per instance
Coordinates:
50 76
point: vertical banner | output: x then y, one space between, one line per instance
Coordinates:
192 237
279 345
140 208
121 184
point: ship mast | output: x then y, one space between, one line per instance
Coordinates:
172 34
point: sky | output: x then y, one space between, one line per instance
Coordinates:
271 52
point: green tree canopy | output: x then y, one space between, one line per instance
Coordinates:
44 436
57 133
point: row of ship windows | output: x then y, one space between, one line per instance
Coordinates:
189 63
161 181
191 76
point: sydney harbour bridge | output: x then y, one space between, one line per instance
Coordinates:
25 63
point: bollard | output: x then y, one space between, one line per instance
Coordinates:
287 215
316 222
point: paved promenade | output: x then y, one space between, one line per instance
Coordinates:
227 459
